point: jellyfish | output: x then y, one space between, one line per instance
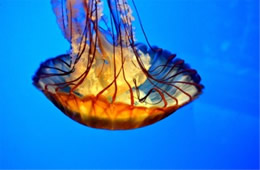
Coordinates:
107 79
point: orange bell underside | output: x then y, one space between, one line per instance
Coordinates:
99 113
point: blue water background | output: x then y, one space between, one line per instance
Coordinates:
219 38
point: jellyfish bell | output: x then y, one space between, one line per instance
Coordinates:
107 80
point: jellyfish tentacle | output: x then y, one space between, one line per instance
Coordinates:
64 12
121 51
142 28
91 51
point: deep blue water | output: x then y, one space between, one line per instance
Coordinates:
219 130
